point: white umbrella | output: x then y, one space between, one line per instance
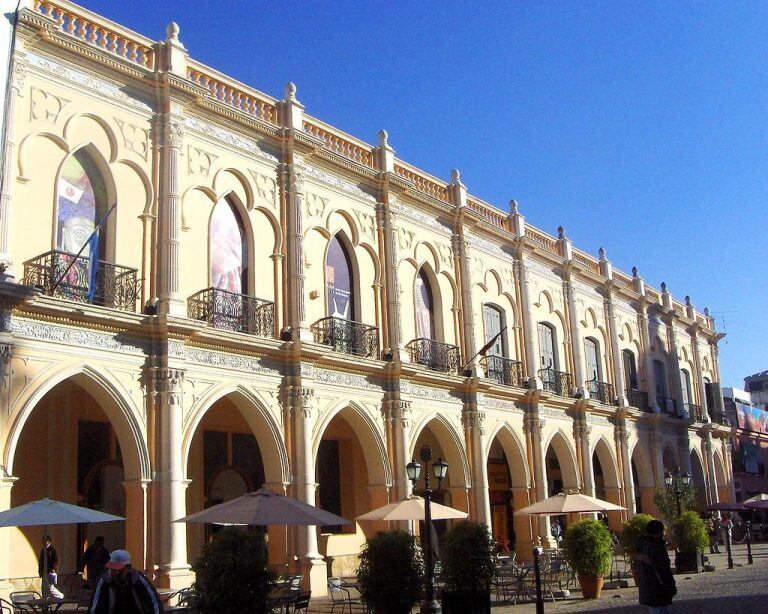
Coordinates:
49 512
412 509
758 502
262 508
569 504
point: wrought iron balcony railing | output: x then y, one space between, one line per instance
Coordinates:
504 370
347 337
695 413
232 311
638 398
434 355
98 283
559 382
601 391
721 418
667 405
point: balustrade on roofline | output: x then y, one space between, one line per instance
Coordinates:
341 144
95 31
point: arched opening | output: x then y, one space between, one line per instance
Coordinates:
425 307
699 481
76 446
662 393
351 480
231 450
561 476
630 370
607 483
670 461
508 490
341 301
642 477
723 487
228 261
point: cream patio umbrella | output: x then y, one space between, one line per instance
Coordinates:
758 502
571 503
412 509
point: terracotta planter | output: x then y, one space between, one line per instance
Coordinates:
591 586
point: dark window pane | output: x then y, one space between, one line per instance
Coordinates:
92 447
214 453
246 456
329 480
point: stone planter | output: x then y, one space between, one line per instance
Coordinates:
688 562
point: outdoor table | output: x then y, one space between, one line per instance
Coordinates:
47 604
521 575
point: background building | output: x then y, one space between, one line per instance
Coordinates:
273 301
749 437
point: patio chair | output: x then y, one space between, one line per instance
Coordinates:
6 607
301 605
341 596
23 601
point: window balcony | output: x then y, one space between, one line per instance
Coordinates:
559 382
638 399
695 413
434 355
601 391
230 311
668 406
64 275
721 418
347 337
505 371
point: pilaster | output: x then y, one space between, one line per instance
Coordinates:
387 221
529 326
473 418
534 428
459 195
650 373
618 371
6 484
577 343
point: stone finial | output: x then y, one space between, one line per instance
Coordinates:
172 31
456 177
560 232
664 286
383 138
687 301
601 253
513 207
290 91
634 272
706 311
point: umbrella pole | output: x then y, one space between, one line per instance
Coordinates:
45 564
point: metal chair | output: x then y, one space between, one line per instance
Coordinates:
23 601
341 596
301 605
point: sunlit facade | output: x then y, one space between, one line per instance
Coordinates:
269 300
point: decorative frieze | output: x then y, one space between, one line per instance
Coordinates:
336 182
228 138
225 360
341 378
78 337
414 215
428 392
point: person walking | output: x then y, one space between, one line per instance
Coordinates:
124 590
653 571
95 557
47 568
714 547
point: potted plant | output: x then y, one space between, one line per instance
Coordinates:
690 536
232 570
468 568
631 531
390 574
588 549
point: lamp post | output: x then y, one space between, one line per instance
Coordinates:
440 469
675 484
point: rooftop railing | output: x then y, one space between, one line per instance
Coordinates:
343 146
347 337
231 311
434 355
76 278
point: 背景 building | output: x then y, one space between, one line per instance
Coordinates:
747 413
274 301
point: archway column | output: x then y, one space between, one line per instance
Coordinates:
709 453
620 432
535 431
137 518
399 414
581 432
6 484
312 564
523 525
174 567
474 430
613 494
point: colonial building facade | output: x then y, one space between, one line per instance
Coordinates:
272 301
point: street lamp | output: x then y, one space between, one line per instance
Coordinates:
413 470
676 484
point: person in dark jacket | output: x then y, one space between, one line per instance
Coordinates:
48 569
124 590
653 572
95 557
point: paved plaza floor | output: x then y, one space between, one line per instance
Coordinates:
723 591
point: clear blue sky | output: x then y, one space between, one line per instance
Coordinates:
639 126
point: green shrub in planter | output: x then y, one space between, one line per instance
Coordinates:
390 576
633 529
232 571
689 533
588 548
468 566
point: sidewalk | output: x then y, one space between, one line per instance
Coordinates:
723 591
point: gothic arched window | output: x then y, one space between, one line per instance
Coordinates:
425 315
229 252
82 203
340 290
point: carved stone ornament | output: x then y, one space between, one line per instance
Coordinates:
301 399
248 364
228 138
315 205
336 182
135 138
352 380
78 337
475 420
86 81
19 76
175 134
199 162
266 192
168 384
44 106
